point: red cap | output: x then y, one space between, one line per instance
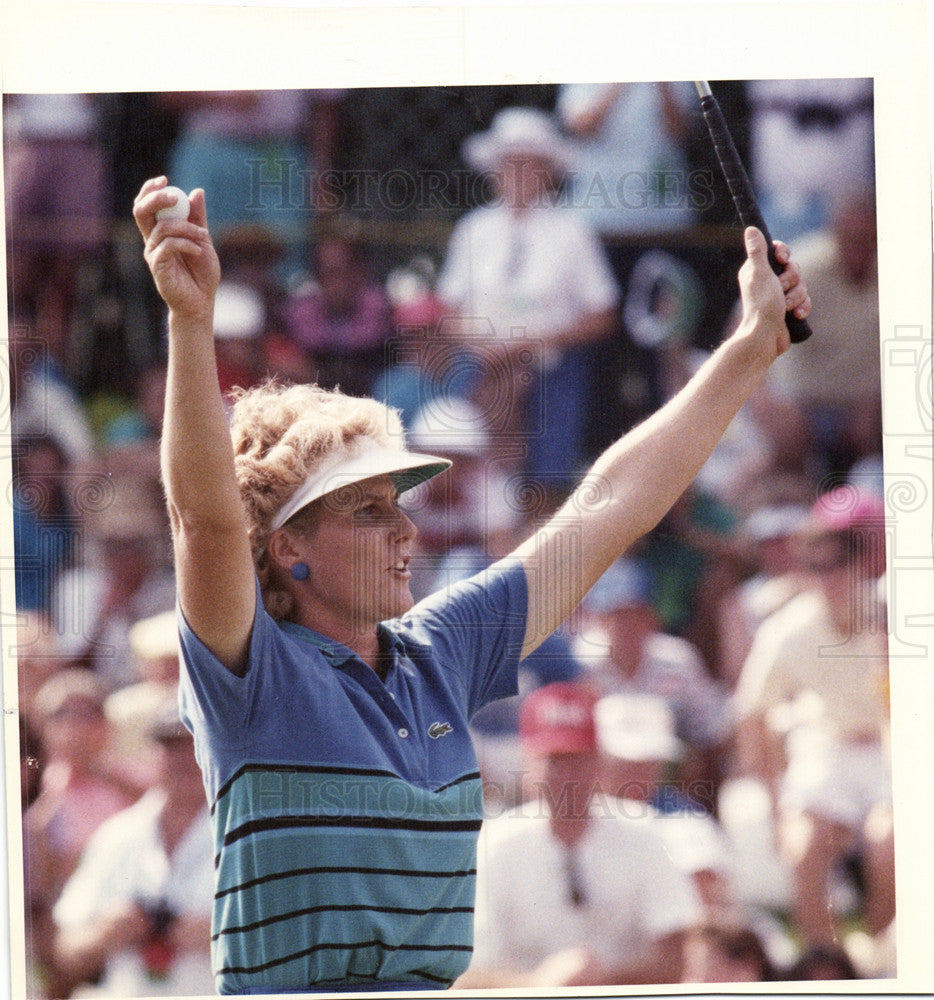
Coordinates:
847 507
558 718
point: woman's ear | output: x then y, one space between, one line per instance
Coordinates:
281 549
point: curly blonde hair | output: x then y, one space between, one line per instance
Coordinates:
280 434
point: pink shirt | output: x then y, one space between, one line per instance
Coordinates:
366 326
83 803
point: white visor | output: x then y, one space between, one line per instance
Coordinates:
406 468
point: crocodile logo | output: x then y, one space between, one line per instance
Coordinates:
438 729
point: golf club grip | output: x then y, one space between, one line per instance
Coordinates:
744 197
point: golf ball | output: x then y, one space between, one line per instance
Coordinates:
177 211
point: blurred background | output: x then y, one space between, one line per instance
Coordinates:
525 272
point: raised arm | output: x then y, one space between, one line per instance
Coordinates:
213 564
636 480
587 119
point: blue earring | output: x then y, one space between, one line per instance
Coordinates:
300 571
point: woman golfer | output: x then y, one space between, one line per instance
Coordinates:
329 714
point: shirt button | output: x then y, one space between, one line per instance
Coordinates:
404 733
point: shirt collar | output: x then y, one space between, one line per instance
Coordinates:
336 652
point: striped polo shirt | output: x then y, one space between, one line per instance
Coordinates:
346 809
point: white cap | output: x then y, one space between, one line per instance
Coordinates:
450 424
774 521
695 843
155 637
637 727
626 584
239 312
406 468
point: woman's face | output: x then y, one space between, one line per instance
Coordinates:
340 276
627 629
357 548
179 770
77 731
709 960
524 180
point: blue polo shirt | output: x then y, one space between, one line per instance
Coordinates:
346 809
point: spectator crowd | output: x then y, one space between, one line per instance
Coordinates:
693 784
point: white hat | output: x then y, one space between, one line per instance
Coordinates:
155 637
450 424
774 521
239 312
626 584
695 843
637 727
406 468
518 130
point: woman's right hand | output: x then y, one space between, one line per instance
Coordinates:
179 253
